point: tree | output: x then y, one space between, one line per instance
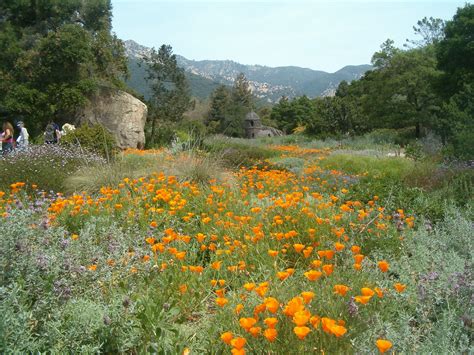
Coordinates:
170 89
382 58
455 53
221 100
431 31
241 93
229 107
54 54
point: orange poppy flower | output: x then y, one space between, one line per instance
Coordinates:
307 252
383 265
383 345
220 292
238 308
180 255
270 334
328 269
260 308
271 304
249 286
301 332
367 291
270 322
338 330
262 289
379 292
362 299
298 247
301 317
247 323
341 289
313 275
399 287
150 240
357 266
183 288
216 265
358 258
273 253
255 331
294 305
227 337
355 249
238 342
339 246
307 296
283 275
221 302
315 320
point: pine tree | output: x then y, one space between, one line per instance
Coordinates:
170 89
219 108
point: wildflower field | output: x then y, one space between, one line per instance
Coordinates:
276 257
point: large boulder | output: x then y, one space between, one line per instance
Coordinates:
121 113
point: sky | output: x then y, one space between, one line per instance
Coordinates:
317 34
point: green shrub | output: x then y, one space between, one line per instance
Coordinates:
94 138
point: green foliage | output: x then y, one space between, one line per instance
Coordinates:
455 52
94 138
228 108
170 91
431 30
291 114
54 55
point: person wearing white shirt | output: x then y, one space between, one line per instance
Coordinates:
22 140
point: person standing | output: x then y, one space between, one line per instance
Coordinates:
7 138
52 133
22 140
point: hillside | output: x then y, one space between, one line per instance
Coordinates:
267 83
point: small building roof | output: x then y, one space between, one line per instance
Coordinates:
252 116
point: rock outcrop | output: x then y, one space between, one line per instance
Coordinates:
121 113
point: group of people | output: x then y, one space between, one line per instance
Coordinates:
7 137
52 135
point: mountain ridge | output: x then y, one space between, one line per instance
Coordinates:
267 83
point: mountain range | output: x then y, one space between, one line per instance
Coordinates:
267 83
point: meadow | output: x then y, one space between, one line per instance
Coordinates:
273 246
